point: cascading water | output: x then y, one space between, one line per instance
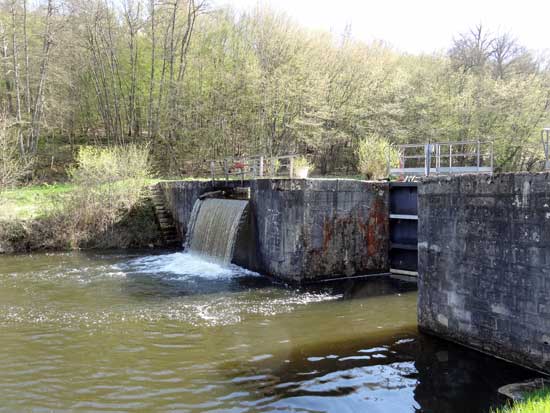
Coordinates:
213 227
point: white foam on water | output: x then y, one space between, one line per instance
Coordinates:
184 265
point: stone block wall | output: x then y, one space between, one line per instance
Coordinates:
484 264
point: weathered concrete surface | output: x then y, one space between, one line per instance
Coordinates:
181 196
313 229
303 230
484 264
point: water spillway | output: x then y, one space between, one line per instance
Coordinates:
296 230
214 226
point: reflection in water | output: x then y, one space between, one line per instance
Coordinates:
171 332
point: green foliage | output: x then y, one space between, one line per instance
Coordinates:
302 162
119 173
536 402
108 184
373 152
259 84
32 202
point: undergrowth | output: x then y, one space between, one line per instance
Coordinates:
105 205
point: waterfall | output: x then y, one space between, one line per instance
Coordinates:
213 227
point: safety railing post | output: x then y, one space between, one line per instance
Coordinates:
478 155
427 159
450 158
492 156
225 170
437 158
545 137
389 160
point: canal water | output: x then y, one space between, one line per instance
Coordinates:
174 333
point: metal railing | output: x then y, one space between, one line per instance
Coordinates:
545 138
253 167
443 158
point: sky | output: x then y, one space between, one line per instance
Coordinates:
417 26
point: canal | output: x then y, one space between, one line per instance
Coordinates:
171 332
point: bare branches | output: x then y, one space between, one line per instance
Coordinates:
501 53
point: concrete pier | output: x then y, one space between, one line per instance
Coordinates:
484 264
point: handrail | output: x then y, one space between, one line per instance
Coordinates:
478 159
253 166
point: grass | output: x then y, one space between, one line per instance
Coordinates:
536 402
30 202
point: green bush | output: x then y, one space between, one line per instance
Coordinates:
108 182
373 152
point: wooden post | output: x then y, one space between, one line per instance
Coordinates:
225 171
213 170
261 173
291 167
272 166
492 156
450 158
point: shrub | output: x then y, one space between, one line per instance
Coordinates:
302 162
109 183
373 152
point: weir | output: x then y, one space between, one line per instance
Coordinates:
479 243
214 225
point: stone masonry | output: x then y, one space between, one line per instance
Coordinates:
484 264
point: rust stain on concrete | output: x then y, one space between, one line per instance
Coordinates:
376 226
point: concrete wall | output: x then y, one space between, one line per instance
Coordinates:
311 229
181 197
484 263
304 229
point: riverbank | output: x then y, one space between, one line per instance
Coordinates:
35 218
535 402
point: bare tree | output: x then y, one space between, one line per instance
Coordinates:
132 16
471 50
37 112
152 72
16 78
508 57
4 55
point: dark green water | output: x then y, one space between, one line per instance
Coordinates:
173 333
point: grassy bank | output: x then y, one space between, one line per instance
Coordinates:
535 402
105 205
31 202
42 217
